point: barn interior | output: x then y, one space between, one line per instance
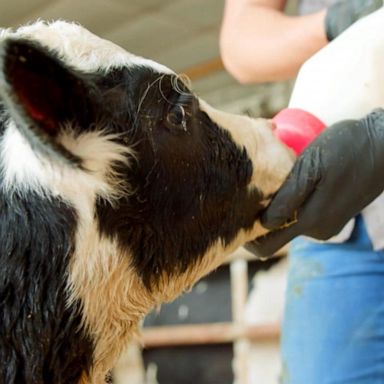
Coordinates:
226 329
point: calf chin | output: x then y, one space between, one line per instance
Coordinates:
142 189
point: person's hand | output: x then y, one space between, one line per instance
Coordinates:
344 13
335 177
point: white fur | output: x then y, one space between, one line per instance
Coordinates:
270 158
21 167
26 170
80 48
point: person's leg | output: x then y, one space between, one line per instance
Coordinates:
333 331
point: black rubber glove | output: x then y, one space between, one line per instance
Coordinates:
344 13
340 173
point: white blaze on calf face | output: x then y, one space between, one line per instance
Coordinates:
270 158
160 186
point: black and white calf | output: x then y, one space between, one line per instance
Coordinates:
119 189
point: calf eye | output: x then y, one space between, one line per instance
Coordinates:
176 119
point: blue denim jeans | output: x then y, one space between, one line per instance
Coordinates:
333 331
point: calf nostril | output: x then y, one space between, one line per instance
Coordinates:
272 124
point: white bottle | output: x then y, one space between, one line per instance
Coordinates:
346 78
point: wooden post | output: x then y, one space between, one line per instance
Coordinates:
204 334
239 293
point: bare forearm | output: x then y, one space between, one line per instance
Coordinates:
260 43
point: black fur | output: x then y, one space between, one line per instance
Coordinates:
190 184
41 340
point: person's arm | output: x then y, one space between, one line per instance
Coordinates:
335 177
260 43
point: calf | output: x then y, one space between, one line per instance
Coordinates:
119 189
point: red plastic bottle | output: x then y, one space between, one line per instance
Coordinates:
297 128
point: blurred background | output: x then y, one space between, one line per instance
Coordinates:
226 330
182 34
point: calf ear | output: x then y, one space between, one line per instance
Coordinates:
40 88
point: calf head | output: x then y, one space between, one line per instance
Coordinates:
147 187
